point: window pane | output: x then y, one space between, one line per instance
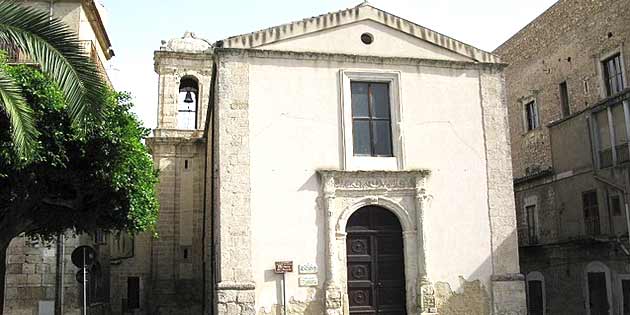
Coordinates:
382 138
361 137
379 98
359 99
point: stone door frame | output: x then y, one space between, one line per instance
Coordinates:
401 192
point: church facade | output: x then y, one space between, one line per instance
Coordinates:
350 163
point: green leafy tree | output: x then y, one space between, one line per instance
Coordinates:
78 178
56 49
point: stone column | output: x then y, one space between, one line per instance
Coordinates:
425 289
334 292
235 287
508 286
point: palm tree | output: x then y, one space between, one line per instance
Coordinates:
57 51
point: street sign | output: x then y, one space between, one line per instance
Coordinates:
284 266
83 256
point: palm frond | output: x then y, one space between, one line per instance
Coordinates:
20 114
58 51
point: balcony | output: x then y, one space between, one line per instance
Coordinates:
89 47
16 56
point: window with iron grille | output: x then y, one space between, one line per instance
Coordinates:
591 212
613 75
371 119
531 116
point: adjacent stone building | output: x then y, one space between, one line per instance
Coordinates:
368 151
569 122
40 277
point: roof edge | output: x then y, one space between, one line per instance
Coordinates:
364 11
300 55
94 16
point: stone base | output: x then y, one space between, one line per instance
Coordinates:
235 299
508 291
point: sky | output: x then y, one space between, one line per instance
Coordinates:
136 28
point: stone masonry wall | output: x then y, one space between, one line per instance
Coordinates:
563 44
508 289
235 288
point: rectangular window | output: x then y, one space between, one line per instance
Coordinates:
371 119
532 226
613 75
133 293
564 99
535 297
531 116
591 212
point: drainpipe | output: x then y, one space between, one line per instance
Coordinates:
59 275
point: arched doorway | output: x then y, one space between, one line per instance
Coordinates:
376 277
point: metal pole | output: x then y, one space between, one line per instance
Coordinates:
59 277
284 292
84 284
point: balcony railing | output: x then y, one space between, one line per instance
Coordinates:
16 56
591 226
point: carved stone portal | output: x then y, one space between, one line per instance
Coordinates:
401 192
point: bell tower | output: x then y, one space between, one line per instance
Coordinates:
184 66
171 266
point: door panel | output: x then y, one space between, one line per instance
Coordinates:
625 289
598 293
376 280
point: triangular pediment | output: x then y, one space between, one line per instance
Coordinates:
339 32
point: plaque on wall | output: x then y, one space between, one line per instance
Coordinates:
308 281
307 268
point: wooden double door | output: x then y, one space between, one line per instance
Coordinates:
376 277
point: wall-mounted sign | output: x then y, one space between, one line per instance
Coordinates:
308 281
307 268
284 266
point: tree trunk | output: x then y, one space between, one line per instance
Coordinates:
4 245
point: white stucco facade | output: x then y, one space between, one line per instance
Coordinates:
282 179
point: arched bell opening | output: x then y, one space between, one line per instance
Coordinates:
188 102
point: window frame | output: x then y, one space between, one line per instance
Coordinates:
359 162
596 208
600 59
533 236
371 119
534 115
606 75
